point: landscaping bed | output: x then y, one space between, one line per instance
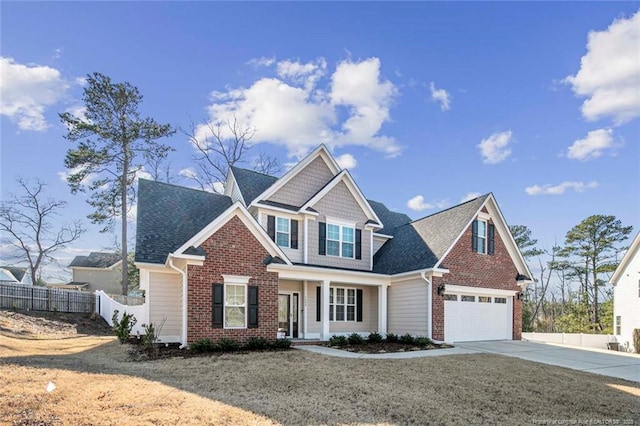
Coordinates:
376 344
52 324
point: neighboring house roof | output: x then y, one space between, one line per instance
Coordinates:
390 219
631 252
96 260
251 183
169 215
423 243
15 272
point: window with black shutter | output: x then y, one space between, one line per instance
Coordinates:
253 307
217 302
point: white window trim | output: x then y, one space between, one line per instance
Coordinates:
236 280
334 290
484 238
618 325
288 233
340 226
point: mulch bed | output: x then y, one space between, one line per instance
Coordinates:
388 347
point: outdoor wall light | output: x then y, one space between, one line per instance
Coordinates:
440 289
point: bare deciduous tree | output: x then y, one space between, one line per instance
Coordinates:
222 145
27 222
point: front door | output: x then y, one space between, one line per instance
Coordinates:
288 314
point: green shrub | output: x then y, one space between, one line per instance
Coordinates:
202 345
374 338
281 344
151 337
257 343
338 341
422 341
636 340
407 339
392 338
355 339
228 345
123 327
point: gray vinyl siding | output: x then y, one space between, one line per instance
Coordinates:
107 280
295 255
235 193
165 297
304 185
339 204
407 308
377 243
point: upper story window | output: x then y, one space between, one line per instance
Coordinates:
483 237
283 226
340 240
283 230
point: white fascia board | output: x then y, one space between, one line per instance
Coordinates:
155 267
345 177
450 288
321 150
189 259
237 209
387 237
431 272
281 210
626 259
310 273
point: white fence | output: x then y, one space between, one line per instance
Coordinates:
107 306
598 341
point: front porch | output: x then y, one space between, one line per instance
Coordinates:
339 304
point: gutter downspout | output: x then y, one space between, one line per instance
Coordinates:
423 275
184 301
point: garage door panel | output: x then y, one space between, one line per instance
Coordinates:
475 320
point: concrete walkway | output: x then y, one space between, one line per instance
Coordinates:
392 355
607 363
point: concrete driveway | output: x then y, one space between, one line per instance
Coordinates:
623 366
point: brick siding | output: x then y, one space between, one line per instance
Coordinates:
232 250
477 270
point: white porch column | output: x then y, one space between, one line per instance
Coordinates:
325 310
382 309
305 303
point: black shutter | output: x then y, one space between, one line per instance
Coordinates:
358 305
322 239
474 236
217 302
318 304
294 234
358 243
271 227
253 307
491 246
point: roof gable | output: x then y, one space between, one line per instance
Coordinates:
634 250
191 246
96 260
344 177
13 272
251 183
320 152
169 215
390 219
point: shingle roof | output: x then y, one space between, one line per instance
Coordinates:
252 183
390 219
96 260
169 215
422 243
16 271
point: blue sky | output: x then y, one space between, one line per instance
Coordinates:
425 102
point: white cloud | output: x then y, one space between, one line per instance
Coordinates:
560 188
592 146
417 204
609 74
305 105
188 172
470 196
64 175
495 148
441 96
27 90
262 61
347 161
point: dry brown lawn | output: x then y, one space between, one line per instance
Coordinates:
97 383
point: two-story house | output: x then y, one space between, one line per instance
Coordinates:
308 256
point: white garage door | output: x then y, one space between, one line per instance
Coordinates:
474 316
